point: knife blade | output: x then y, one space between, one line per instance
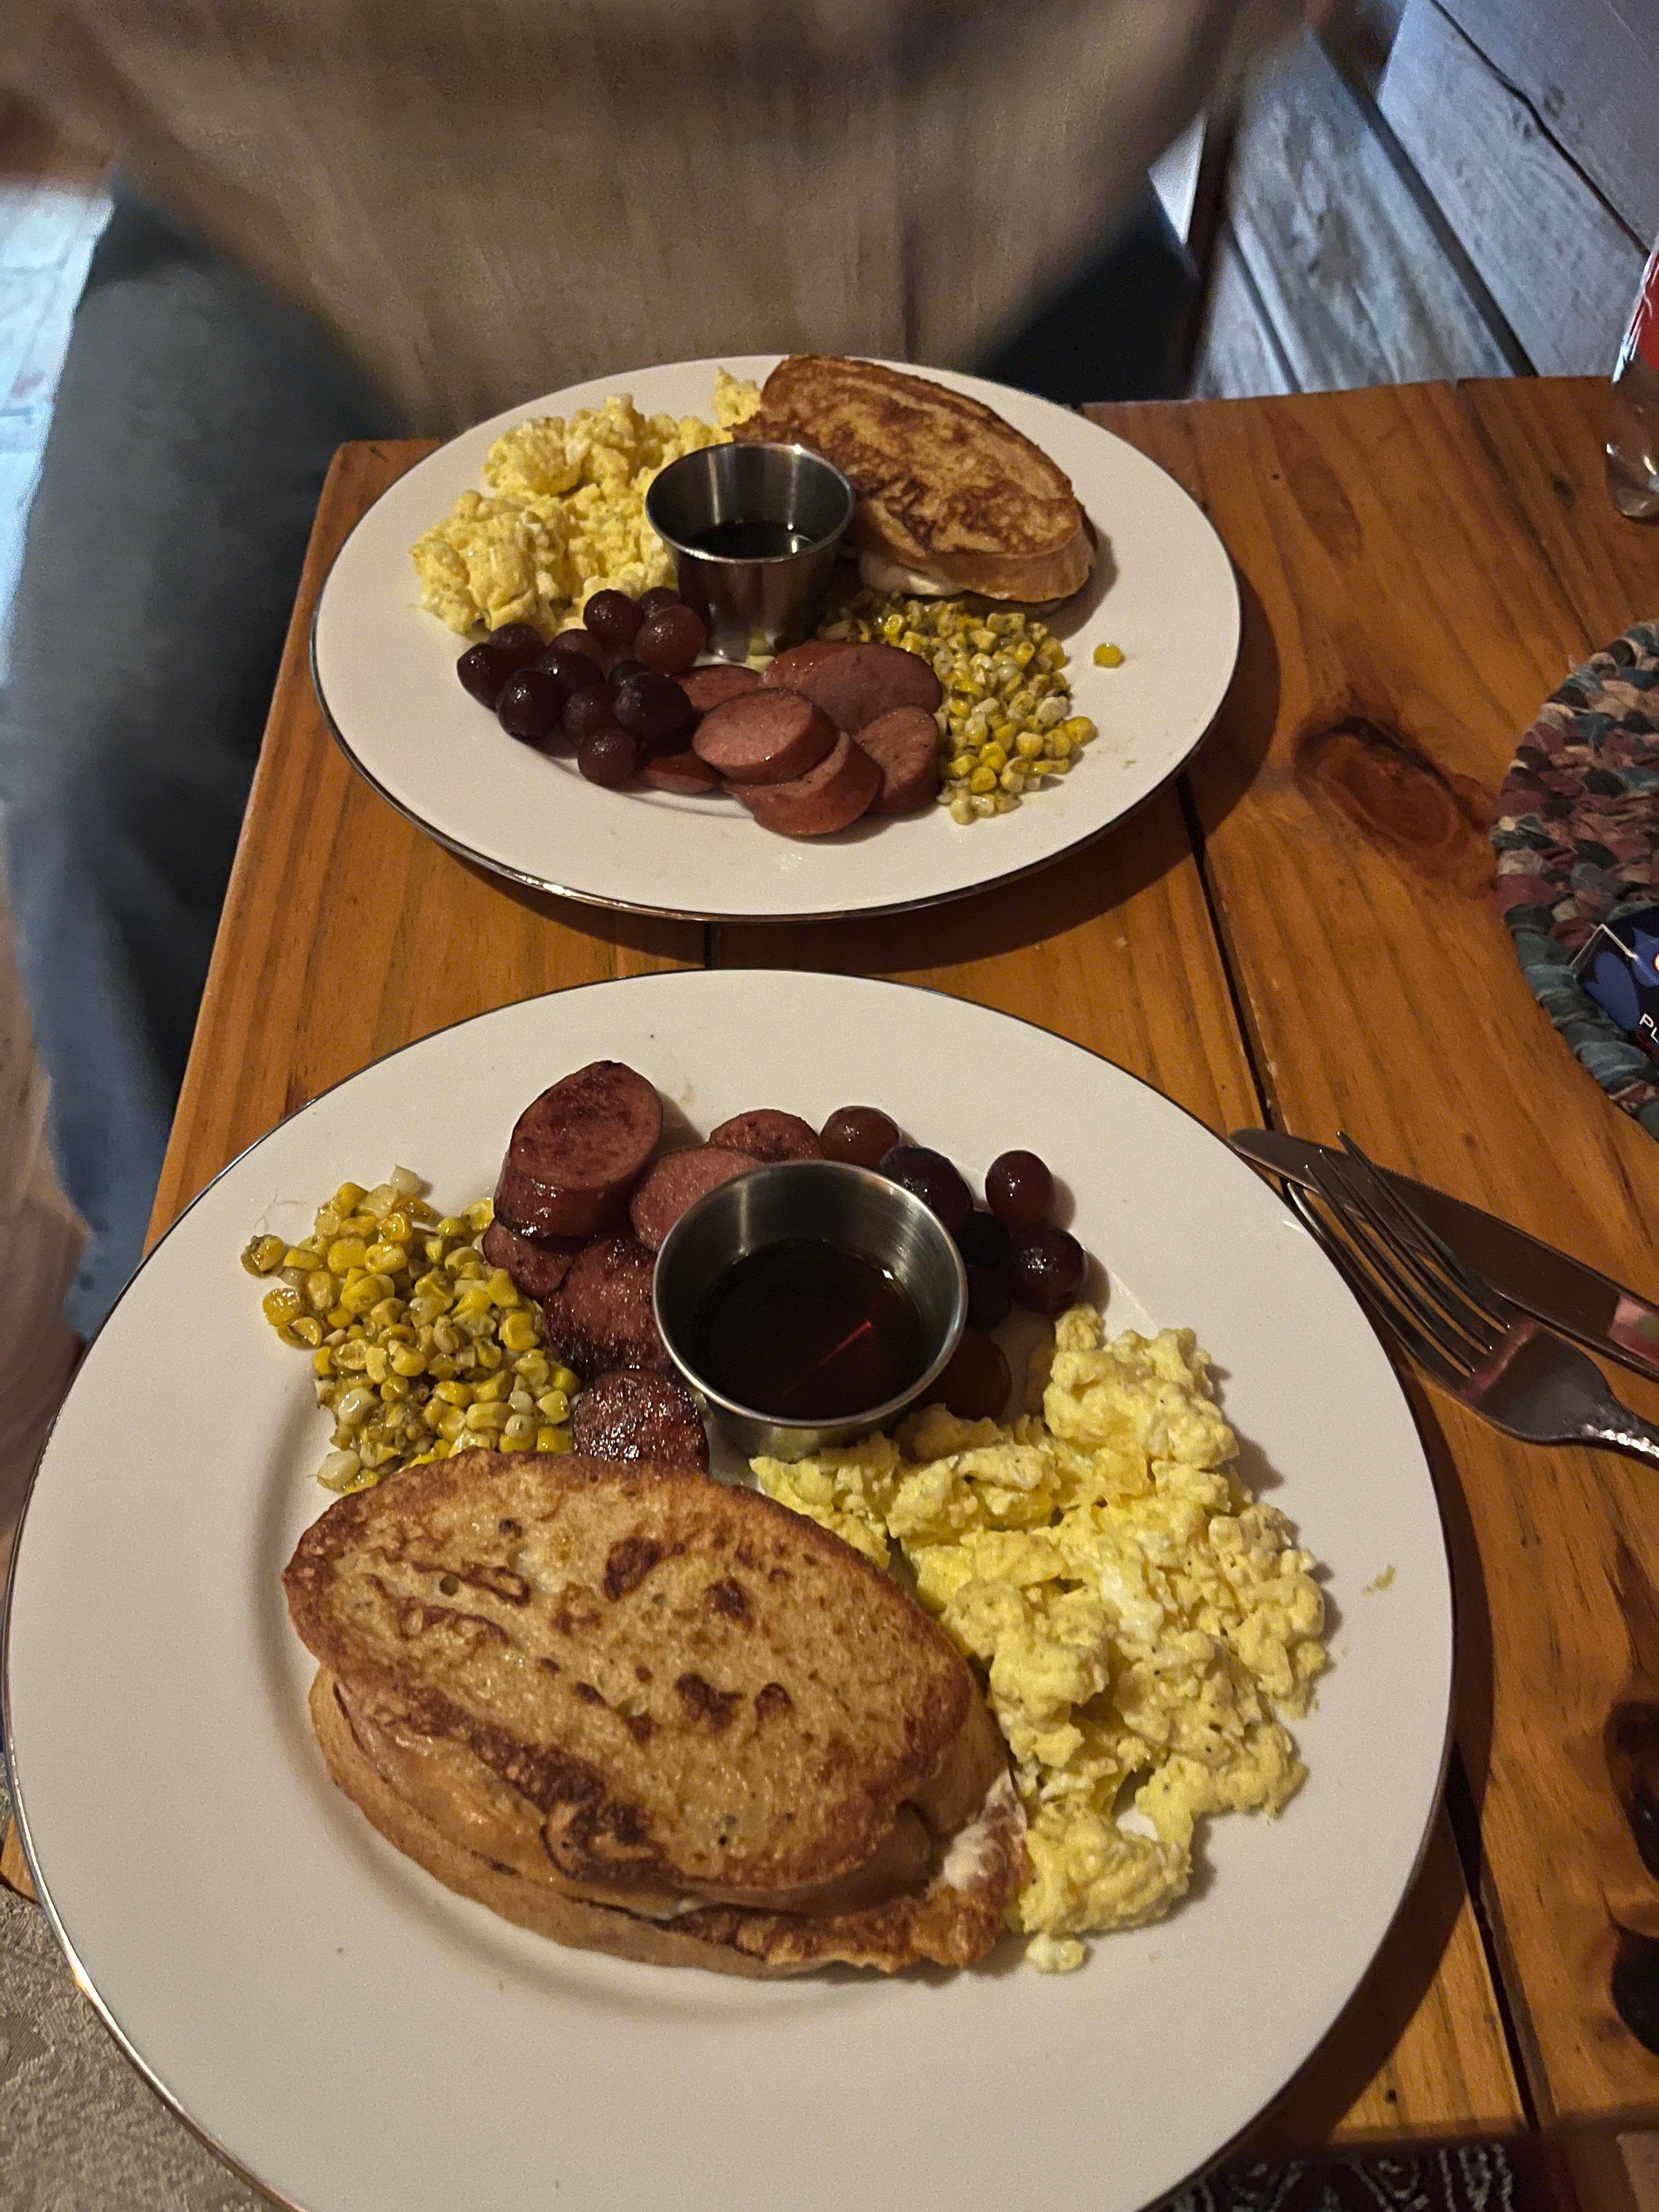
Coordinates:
1557 1289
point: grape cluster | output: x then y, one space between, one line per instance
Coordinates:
605 688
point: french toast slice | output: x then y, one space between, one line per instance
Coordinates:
952 1922
945 488
644 1690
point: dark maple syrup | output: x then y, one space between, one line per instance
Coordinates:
808 1331
750 540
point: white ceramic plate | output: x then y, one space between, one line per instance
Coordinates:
1163 590
354 2035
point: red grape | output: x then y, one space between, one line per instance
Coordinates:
657 597
976 1383
529 706
519 643
482 671
670 640
988 1296
654 708
625 668
1018 1189
933 1179
608 756
861 1134
587 710
572 672
984 1241
1046 1267
613 617
583 641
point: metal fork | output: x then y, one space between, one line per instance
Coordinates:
1466 1336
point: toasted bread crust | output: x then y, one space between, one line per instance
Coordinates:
695 1688
944 485
949 1923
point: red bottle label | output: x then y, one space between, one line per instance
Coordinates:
1642 335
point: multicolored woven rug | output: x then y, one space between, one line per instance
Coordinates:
1525 2175
1576 836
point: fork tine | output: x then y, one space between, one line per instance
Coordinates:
1498 1308
1427 1318
1385 1318
1370 1194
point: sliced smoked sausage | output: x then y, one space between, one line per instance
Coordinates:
638 1414
576 1152
763 737
601 1316
767 1133
828 798
679 772
781 673
710 687
538 1269
904 746
678 1181
862 682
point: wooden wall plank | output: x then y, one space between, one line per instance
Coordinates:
1561 268
1589 71
1407 625
1346 262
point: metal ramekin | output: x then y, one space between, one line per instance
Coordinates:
823 1198
774 600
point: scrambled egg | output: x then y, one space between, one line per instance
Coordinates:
565 515
1143 1624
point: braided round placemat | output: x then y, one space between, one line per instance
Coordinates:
1576 836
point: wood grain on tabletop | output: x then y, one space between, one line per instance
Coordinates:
1114 947
1406 614
347 932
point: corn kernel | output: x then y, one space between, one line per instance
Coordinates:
406 1360
385 1259
563 1378
1108 656
548 1439
501 1289
480 1214
982 779
493 1389
519 1330
554 1405
281 1305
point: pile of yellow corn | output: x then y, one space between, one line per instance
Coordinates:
419 1347
1007 722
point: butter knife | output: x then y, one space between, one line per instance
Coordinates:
1562 1291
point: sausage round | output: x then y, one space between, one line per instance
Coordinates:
601 1316
781 673
828 798
538 1269
678 1181
679 772
576 1151
765 1134
711 687
862 682
638 1414
763 737
904 746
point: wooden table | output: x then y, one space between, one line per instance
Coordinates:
1303 931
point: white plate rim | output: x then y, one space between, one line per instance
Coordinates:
1432 1803
983 388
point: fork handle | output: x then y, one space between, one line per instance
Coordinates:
1626 1433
